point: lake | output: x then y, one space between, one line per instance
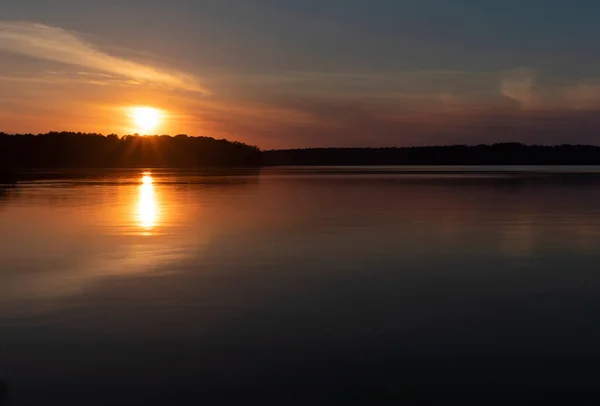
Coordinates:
300 285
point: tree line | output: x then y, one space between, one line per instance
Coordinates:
65 150
89 150
495 154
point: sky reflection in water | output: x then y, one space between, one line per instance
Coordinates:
179 279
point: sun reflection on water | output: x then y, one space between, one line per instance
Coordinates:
147 205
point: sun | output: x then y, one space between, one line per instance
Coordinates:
146 119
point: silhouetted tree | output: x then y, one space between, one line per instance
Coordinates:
496 154
78 150
90 150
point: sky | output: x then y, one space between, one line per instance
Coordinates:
310 73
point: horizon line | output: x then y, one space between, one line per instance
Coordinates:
137 135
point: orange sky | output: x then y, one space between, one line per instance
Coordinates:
58 79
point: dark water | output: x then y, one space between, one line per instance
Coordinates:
315 286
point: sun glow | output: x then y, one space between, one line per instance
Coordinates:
146 119
147 205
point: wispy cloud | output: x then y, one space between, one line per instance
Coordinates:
59 45
518 85
78 78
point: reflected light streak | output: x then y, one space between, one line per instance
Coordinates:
147 205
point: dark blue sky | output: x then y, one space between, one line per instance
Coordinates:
327 72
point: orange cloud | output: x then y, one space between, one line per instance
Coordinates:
59 45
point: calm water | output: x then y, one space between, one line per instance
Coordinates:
132 288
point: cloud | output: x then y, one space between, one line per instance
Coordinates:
59 45
323 122
583 95
518 85
67 78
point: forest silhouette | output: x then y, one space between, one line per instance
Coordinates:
495 154
70 150
65 150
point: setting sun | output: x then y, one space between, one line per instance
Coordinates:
146 119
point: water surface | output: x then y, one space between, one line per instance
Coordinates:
133 287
